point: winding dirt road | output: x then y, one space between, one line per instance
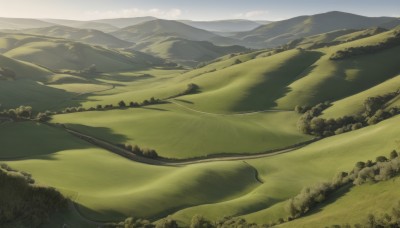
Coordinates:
182 162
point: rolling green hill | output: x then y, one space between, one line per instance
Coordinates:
57 54
89 36
261 80
241 114
186 52
185 131
25 69
281 32
164 28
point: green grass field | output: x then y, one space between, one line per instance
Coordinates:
354 206
179 133
109 187
241 107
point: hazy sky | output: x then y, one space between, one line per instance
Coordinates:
192 9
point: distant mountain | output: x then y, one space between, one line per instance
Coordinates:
160 29
104 27
164 28
89 36
62 54
125 22
281 32
22 23
224 25
187 52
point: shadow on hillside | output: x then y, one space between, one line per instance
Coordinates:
87 214
331 199
27 140
275 85
103 133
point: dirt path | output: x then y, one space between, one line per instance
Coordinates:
224 114
175 162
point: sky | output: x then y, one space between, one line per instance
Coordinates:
272 10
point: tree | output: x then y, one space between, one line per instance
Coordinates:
200 222
167 223
42 117
381 159
122 104
149 153
393 154
24 112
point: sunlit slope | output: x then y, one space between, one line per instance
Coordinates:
187 52
58 54
335 37
24 69
179 133
109 187
354 206
90 36
352 75
285 175
250 86
354 104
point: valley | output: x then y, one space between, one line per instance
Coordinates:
165 120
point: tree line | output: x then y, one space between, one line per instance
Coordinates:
145 152
311 123
197 221
383 168
24 204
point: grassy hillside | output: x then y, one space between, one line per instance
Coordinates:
110 187
281 32
164 28
285 175
185 132
25 70
89 36
354 206
354 104
186 52
58 54
251 86
352 75
31 93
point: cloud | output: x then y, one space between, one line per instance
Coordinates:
256 14
134 12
